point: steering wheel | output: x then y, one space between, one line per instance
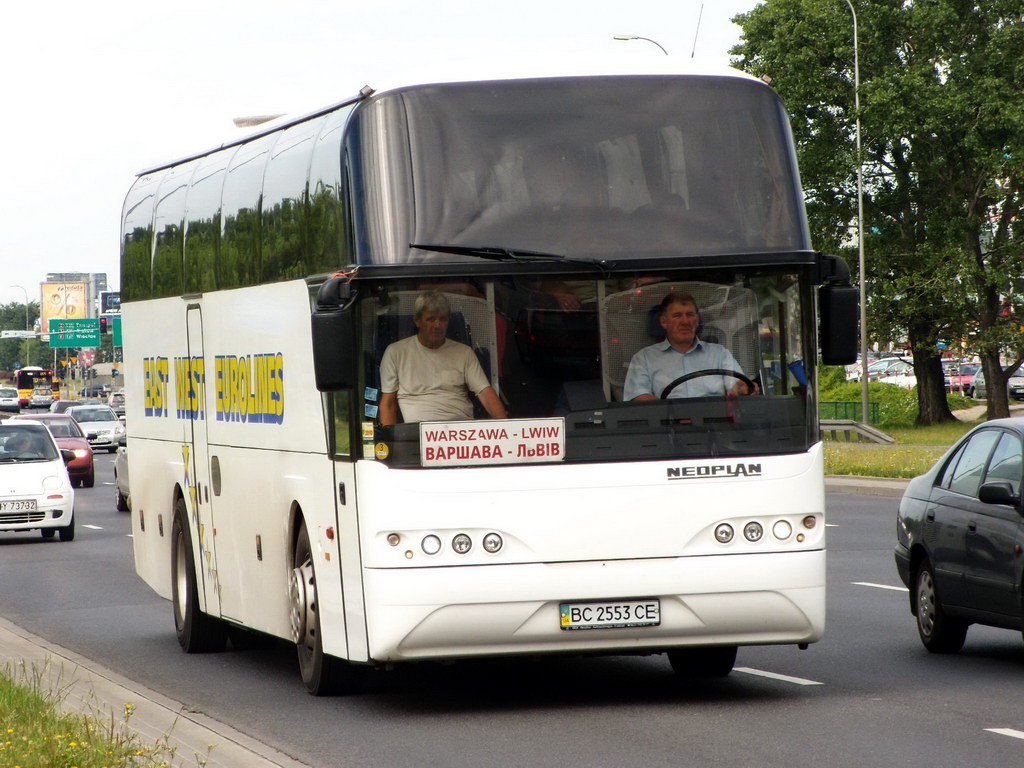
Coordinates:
708 372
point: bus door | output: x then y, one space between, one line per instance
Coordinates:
196 458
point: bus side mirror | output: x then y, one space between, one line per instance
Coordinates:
838 306
334 336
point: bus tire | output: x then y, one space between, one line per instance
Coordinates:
703 663
939 633
322 674
197 632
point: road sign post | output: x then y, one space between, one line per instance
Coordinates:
74 332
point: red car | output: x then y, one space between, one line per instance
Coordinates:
68 434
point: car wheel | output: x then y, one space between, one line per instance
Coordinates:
89 480
939 633
120 501
49 533
197 632
67 533
698 663
323 675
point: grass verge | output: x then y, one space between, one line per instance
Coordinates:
34 733
915 451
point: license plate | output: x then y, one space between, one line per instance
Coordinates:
19 505
611 615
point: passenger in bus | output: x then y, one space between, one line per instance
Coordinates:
428 377
654 367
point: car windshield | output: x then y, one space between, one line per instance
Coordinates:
87 415
64 428
26 443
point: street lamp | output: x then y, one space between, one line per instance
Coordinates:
637 37
860 227
27 328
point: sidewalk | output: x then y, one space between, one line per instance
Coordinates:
88 687
865 486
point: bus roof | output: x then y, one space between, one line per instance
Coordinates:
488 70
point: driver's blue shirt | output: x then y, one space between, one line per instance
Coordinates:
655 367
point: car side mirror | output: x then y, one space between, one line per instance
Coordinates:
67 455
998 493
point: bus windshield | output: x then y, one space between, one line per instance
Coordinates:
600 168
564 347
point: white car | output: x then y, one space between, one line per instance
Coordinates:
9 400
35 490
101 425
122 497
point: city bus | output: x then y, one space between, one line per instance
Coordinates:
32 377
263 280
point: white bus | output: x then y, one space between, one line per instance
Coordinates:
262 281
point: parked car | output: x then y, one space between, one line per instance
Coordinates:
122 497
35 490
69 435
1014 385
62 405
41 398
960 377
959 533
100 424
9 400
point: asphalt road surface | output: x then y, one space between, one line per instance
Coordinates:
866 695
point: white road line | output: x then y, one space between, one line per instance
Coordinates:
774 676
1007 732
94 527
831 525
879 586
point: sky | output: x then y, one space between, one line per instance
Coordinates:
94 92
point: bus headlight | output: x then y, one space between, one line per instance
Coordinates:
782 530
462 543
753 531
492 542
431 544
723 533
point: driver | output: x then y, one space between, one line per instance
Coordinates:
655 367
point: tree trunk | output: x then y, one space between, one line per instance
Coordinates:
995 386
932 406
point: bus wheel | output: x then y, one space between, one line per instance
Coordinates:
197 632
323 675
697 663
939 633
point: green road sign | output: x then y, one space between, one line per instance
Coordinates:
75 333
117 333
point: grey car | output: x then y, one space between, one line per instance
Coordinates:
101 425
1014 385
122 497
959 534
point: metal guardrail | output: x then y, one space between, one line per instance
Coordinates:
847 410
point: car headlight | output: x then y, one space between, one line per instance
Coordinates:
81 453
118 430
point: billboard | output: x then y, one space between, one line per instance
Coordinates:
63 301
110 302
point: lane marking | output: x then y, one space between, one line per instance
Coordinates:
831 525
776 676
1007 732
879 586
94 527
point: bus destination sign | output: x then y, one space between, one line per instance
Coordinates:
492 441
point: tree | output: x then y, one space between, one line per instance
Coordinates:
943 139
12 318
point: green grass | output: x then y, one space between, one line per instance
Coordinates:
915 451
34 733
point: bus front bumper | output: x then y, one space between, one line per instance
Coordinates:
498 610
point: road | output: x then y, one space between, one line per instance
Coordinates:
867 695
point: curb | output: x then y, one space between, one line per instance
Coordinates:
83 686
866 486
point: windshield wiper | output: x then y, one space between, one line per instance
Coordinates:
497 253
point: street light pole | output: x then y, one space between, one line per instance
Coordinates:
637 37
860 227
27 328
